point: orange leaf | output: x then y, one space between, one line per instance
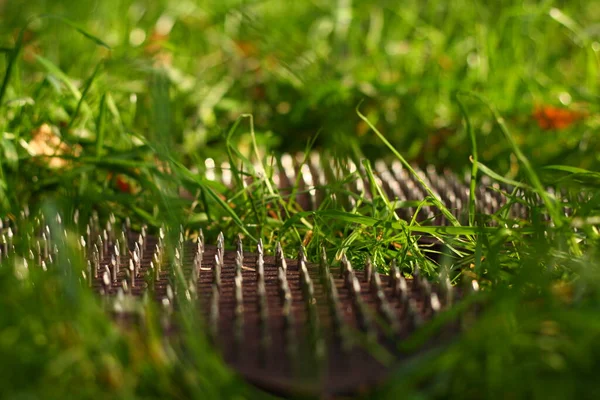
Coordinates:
555 118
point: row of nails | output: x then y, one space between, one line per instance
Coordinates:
106 257
398 283
396 180
100 250
307 287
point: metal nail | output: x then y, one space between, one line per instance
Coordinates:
279 257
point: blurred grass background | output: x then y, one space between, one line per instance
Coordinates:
129 97
302 68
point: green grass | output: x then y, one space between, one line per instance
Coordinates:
144 93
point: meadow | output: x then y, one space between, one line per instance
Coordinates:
116 106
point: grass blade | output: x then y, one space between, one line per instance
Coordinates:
186 174
12 58
502 179
531 174
86 88
573 170
77 28
451 218
100 126
58 73
475 164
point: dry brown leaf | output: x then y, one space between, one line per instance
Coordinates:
46 144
